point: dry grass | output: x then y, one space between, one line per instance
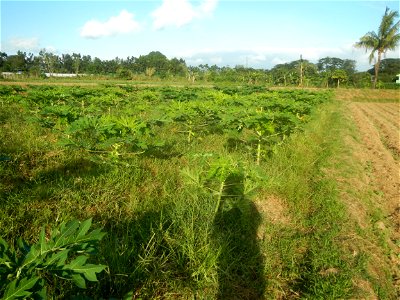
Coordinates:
367 95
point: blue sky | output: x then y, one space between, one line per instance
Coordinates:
257 33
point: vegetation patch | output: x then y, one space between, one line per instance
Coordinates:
211 193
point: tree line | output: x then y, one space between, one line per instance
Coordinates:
326 72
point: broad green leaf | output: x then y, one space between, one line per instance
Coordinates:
32 256
77 262
84 228
20 289
79 281
94 235
129 296
3 243
65 233
42 242
22 245
90 270
58 258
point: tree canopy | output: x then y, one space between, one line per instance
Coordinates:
386 38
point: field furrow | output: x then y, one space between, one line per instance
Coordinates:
390 114
391 109
389 132
385 168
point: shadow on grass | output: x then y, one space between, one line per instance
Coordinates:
240 265
27 174
135 255
166 151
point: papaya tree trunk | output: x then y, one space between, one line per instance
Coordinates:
259 151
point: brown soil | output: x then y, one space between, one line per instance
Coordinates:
381 139
386 124
378 150
274 209
362 94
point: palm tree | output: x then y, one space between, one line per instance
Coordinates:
387 38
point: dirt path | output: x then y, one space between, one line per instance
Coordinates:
378 149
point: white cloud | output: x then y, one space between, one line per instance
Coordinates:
208 6
23 44
181 12
267 57
216 60
121 24
51 49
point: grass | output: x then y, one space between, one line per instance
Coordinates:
277 233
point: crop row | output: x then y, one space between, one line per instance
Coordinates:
120 121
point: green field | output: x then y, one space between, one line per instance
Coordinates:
219 192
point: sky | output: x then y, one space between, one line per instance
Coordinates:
257 34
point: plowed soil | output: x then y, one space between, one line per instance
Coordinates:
378 150
378 124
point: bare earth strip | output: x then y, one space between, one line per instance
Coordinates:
392 109
384 173
384 165
388 114
387 128
375 110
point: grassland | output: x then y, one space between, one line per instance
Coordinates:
193 209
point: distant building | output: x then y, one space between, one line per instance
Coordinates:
398 78
12 75
60 74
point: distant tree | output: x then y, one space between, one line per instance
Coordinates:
333 63
150 71
16 62
327 67
3 60
289 73
339 76
387 38
177 67
67 63
48 60
154 59
124 73
361 80
85 65
76 62
192 73
388 69
97 66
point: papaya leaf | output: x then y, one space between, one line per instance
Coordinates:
84 228
19 289
79 281
78 265
57 259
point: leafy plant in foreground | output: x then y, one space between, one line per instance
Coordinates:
64 254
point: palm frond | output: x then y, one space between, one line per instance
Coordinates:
387 37
387 22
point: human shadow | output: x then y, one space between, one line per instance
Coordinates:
240 265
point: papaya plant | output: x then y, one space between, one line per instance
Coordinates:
195 117
104 134
63 253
